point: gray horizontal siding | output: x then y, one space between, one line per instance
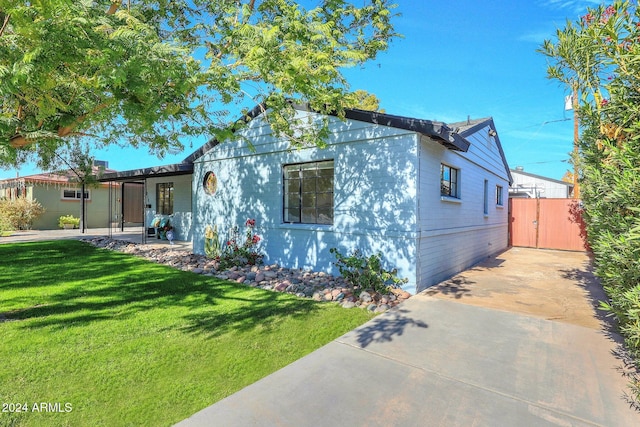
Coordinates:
443 256
453 235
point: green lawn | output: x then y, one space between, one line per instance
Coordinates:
122 341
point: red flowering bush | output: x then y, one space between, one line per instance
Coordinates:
239 251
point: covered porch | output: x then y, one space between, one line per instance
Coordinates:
148 203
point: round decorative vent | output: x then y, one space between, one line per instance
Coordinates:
210 183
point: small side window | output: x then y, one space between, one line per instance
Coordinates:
164 198
449 181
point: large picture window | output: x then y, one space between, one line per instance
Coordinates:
449 181
308 193
164 198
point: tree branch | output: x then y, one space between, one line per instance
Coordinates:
67 130
4 24
115 4
18 141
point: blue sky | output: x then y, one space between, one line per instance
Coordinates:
458 59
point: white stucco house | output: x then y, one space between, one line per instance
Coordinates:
431 197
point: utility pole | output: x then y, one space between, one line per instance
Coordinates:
576 137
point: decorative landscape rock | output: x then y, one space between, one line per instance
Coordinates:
318 286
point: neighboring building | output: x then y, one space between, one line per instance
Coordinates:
431 198
60 195
528 185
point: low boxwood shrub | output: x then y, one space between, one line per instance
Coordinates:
68 220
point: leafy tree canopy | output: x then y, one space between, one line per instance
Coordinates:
367 101
157 72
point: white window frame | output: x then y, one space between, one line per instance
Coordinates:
77 194
499 195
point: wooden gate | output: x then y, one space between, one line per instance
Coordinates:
547 223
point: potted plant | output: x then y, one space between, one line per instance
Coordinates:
68 222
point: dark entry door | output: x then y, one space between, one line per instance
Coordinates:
132 202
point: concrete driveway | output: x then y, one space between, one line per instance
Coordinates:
514 341
554 285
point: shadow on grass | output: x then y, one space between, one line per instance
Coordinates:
263 310
74 283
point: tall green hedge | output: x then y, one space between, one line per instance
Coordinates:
597 56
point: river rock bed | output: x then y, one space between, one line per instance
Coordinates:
318 286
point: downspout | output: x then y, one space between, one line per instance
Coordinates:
110 208
144 211
418 227
122 206
82 209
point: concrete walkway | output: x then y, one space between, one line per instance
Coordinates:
515 341
130 234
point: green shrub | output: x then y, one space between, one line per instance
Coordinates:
364 273
70 220
5 226
20 212
597 57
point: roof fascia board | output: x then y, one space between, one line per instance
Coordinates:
502 155
437 130
154 172
246 118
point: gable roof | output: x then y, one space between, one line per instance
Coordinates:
451 136
471 126
545 178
